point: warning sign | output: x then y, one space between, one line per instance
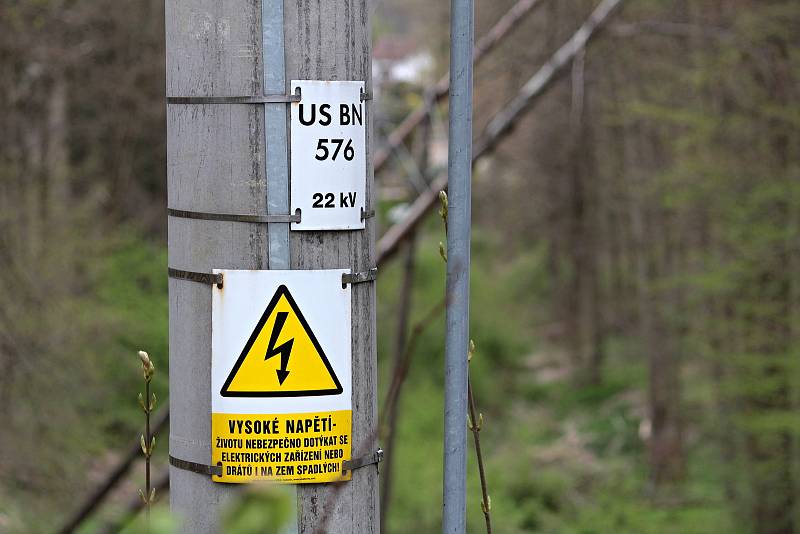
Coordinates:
281 376
282 336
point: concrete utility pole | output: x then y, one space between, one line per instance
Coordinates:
228 158
332 41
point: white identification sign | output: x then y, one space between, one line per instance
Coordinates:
281 376
328 155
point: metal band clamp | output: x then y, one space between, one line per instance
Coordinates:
194 467
216 470
359 278
203 278
367 214
265 99
372 458
235 217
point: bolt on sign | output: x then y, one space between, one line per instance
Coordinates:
328 155
281 376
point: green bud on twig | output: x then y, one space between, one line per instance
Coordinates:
141 403
471 424
153 441
487 506
444 205
152 494
148 369
141 494
153 401
470 350
442 251
143 444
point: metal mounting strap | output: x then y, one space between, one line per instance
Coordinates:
359 278
372 458
265 99
367 214
203 278
235 217
194 467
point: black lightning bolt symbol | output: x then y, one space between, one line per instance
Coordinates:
284 350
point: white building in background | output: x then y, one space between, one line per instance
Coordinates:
398 60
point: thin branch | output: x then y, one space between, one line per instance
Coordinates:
475 423
399 355
507 22
542 80
96 498
420 166
502 123
475 426
670 29
392 396
398 379
148 441
133 508
148 456
391 400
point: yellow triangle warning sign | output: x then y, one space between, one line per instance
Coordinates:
282 358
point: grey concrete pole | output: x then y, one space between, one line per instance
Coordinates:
332 41
215 163
459 169
218 162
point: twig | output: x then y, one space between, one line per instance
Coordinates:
475 426
114 526
93 501
393 395
475 423
400 349
147 459
421 168
148 440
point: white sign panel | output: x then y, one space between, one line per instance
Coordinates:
281 376
328 155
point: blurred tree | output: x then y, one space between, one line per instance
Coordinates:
81 148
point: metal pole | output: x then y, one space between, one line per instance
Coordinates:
459 168
275 133
276 150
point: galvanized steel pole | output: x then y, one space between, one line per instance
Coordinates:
459 168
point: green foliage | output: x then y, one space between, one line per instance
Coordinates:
122 309
132 295
161 522
261 509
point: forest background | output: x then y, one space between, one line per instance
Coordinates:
635 290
